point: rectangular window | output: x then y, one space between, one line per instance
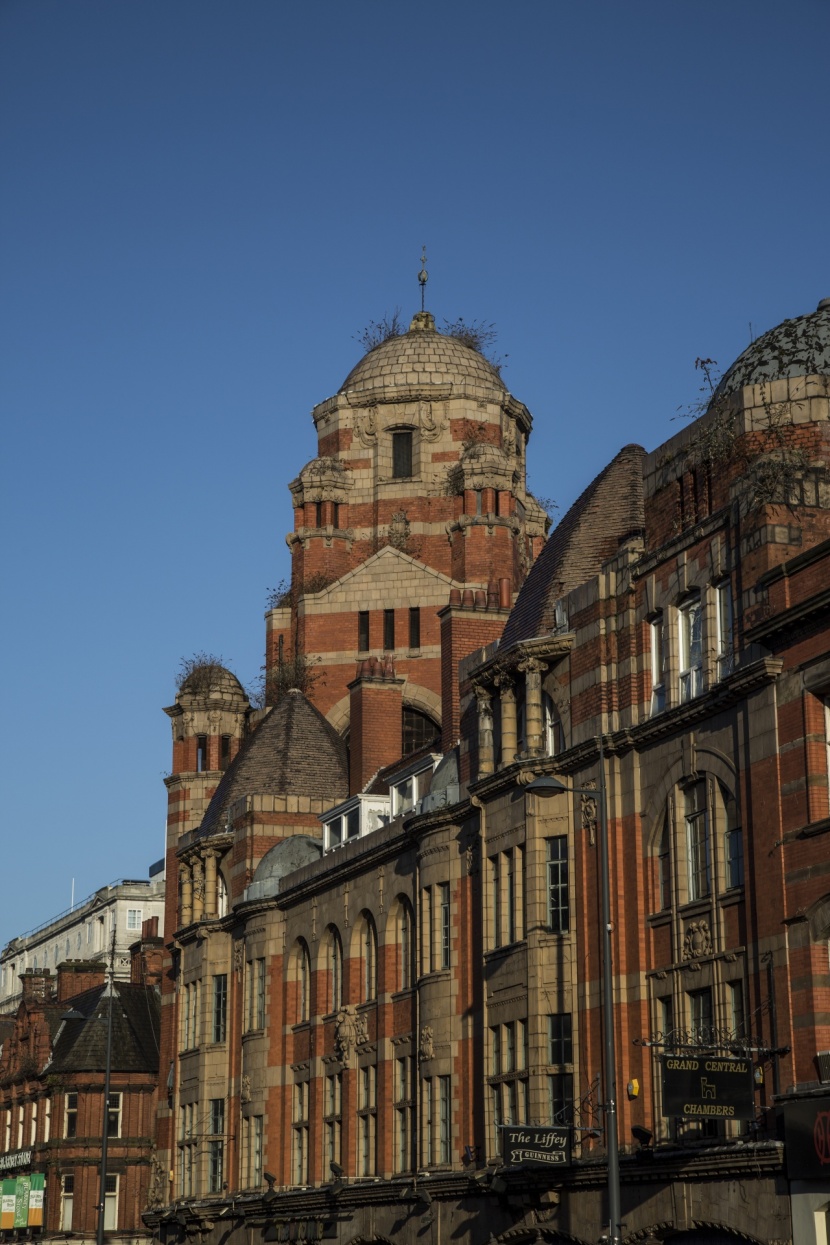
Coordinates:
134 919
444 900
561 1097
725 654
259 1013
224 752
414 627
664 865
558 898
70 1125
111 1204
201 753
388 630
47 1119
690 620
444 1120
33 1124
427 1139
256 1135
658 676
427 936
216 1145
363 631
736 1008
560 1038
402 454
510 896
220 1007
666 1021
510 1047
697 841
193 996
495 871
67 1200
300 1130
332 1121
733 842
700 1009
496 1035
114 1115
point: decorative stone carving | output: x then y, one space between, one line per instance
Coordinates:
431 427
698 941
345 1034
245 1088
361 1030
399 529
588 812
238 955
157 1192
366 426
426 1048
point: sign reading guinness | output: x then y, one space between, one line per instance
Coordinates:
530 1146
708 1087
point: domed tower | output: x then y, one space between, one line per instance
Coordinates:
418 489
209 720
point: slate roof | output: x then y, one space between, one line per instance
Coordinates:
610 509
82 1044
293 751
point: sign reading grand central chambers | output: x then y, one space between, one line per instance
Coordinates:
530 1146
708 1087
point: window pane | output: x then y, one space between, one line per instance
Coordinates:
402 454
558 899
415 627
388 629
363 631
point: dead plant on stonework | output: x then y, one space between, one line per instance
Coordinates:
377 332
284 594
773 466
203 673
297 672
479 336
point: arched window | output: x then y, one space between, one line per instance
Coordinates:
335 970
303 982
406 944
369 951
419 731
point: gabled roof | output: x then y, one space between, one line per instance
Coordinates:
610 509
81 1045
293 751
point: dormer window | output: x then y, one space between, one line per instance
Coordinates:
402 454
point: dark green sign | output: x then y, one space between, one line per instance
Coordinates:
531 1146
708 1087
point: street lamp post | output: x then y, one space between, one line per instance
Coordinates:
547 784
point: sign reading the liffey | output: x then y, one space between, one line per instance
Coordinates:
708 1087
531 1146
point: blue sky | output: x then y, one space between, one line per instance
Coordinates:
204 203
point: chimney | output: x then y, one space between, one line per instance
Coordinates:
472 620
146 955
75 976
375 720
38 985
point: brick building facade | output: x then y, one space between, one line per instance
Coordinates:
52 1081
385 953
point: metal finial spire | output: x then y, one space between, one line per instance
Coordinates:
423 275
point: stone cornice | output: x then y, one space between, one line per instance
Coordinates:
545 648
819 603
649 561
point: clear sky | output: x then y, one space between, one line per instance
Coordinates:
204 203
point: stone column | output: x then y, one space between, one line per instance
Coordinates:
198 890
186 912
534 724
509 739
210 885
486 759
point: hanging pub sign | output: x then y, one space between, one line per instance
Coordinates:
531 1146
708 1087
807 1138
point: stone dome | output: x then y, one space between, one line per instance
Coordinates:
213 681
799 347
423 356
